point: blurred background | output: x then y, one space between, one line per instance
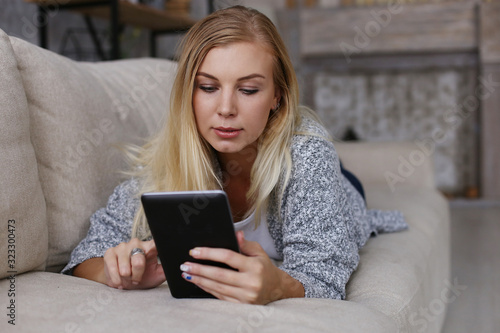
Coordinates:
376 70
424 71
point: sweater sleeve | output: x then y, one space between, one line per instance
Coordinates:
319 245
109 226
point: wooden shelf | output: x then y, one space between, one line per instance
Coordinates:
119 13
137 15
418 28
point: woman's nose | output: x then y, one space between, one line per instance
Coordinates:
227 105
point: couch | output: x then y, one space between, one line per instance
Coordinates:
62 123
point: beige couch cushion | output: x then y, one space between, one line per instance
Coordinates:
21 197
396 164
78 112
79 305
405 275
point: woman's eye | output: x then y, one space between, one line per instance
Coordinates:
249 91
207 89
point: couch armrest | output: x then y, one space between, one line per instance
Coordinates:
393 163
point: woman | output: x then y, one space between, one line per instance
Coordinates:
235 124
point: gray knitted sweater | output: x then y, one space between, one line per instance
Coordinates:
318 226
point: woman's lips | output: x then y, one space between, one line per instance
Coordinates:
227 132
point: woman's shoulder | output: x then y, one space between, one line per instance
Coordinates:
121 206
310 126
310 135
129 187
125 193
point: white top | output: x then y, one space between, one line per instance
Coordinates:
260 235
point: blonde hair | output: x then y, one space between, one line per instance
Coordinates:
178 158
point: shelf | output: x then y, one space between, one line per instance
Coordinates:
119 13
137 15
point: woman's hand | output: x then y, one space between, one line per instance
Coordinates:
256 281
140 271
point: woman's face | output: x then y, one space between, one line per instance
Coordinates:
233 94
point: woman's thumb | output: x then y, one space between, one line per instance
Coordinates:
247 247
240 236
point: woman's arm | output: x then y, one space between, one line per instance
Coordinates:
104 254
318 244
118 269
325 220
109 226
91 269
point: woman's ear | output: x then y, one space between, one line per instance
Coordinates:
277 97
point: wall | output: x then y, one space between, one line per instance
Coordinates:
406 106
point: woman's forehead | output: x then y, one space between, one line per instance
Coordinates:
238 58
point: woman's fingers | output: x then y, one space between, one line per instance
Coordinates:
221 291
138 263
124 260
111 269
149 246
238 261
124 270
224 283
228 257
214 273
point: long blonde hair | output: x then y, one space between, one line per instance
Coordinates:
178 158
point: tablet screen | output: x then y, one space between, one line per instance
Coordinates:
180 221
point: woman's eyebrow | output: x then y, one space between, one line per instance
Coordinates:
251 76
207 75
248 77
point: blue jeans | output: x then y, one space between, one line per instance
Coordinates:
354 180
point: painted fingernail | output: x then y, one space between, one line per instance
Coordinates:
185 268
194 252
186 276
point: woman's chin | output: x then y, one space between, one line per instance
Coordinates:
228 148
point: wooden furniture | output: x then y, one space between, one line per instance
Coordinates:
489 51
180 6
118 12
408 37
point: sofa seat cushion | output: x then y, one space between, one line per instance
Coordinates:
23 225
402 273
52 302
394 164
78 113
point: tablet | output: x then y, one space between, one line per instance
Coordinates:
180 221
